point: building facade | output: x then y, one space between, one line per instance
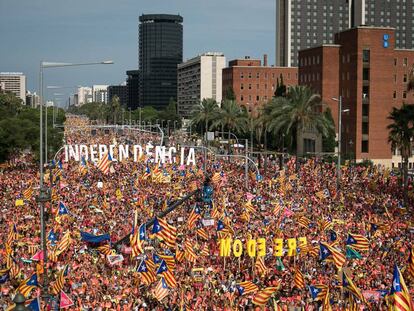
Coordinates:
118 90
384 13
160 51
133 89
199 78
370 75
14 82
254 84
32 99
83 96
304 24
100 93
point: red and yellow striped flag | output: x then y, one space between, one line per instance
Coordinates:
299 280
63 244
410 267
260 266
190 255
262 297
248 287
27 194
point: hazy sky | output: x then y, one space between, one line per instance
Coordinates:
89 30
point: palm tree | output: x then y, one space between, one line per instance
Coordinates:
231 116
205 112
298 111
401 133
410 84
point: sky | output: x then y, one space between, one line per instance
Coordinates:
95 30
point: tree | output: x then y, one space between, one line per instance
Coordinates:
401 134
205 112
170 113
280 88
231 116
329 141
410 84
296 112
19 128
115 110
94 111
229 94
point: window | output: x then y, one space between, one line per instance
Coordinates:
241 75
405 78
257 75
364 146
394 95
365 128
404 94
241 86
395 61
257 98
241 98
250 75
365 56
365 110
365 74
250 97
405 61
395 78
250 86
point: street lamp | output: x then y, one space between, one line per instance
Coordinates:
44 65
340 111
44 193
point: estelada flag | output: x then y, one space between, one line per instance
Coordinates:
65 300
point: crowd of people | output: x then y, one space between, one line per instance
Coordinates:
280 203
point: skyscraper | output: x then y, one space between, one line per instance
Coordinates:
302 24
398 14
160 51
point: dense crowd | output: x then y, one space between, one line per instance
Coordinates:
280 203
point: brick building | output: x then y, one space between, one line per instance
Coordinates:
365 68
253 83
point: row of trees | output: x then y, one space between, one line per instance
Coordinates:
19 128
279 119
115 113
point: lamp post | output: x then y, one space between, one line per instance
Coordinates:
45 65
44 192
338 166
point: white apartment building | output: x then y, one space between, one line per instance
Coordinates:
199 78
100 93
84 95
14 82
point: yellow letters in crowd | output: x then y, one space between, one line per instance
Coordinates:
257 247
